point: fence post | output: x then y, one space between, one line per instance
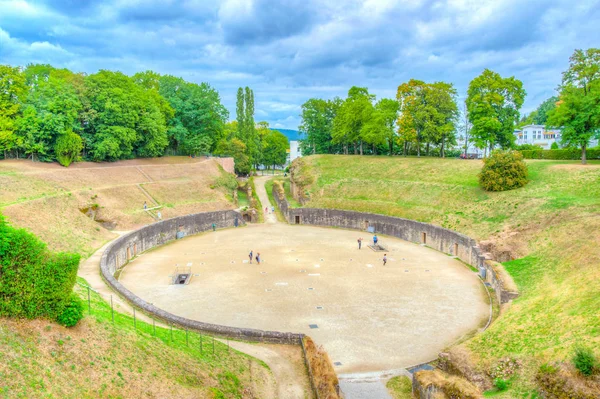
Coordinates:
89 302
112 310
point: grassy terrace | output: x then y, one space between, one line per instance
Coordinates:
40 359
551 227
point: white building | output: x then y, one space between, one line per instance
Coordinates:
294 151
537 135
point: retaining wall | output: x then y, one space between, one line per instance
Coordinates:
447 241
120 251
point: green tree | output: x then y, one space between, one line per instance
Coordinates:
414 113
440 125
350 118
493 104
68 147
53 108
240 113
237 149
199 116
379 129
275 148
12 89
578 109
317 125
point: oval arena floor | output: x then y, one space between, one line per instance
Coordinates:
369 317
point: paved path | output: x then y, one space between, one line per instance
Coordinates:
259 184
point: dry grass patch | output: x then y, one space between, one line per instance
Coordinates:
324 375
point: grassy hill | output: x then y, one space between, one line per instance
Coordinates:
547 234
75 208
41 359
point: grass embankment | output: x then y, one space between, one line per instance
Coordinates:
99 359
48 199
551 226
400 387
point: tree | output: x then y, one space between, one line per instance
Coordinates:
352 115
240 114
413 113
199 117
465 126
442 115
12 89
317 125
237 149
68 147
493 104
275 148
578 108
379 129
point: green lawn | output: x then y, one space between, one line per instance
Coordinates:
551 226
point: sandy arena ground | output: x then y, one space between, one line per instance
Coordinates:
370 317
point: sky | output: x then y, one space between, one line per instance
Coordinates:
288 51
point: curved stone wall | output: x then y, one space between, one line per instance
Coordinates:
120 251
444 240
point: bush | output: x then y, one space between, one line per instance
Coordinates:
584 361
34 282
72 313
554 146
501 384
503 170
564 154
528 147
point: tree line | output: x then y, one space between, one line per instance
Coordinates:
424 118
50 114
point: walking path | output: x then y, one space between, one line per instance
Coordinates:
259 184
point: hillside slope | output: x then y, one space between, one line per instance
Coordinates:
551 228
99 359
74 209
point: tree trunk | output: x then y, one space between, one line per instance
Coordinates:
583 154
361 147
427 152
405 148
442 149
391 147
418 148
355 149
374 150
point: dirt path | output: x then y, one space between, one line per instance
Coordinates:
286 363
259 183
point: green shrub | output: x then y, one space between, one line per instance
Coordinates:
528 147
34 282
554 146
503 170
584 361
501 384
72 313
68 146
564 154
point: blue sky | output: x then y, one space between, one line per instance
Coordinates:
290 50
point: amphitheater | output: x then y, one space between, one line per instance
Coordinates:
311 280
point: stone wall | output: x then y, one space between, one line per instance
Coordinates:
120 251
447 241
